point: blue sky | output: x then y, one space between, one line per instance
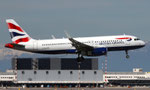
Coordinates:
42 18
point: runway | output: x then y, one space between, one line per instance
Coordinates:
74 88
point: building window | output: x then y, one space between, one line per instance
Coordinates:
83 72
23 72
59 72
95 72
35 72
71 72
47 72
30 79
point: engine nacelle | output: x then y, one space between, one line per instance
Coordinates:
95 52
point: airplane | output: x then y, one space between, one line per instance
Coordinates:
82 46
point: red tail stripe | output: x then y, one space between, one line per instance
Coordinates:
21 40
9 45
124 38
12 26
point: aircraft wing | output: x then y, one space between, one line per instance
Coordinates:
80 46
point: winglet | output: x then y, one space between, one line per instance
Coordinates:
53 37
68 36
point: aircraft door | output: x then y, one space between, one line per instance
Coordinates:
127 42
35 45
92 43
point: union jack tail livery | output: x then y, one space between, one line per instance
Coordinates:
18 35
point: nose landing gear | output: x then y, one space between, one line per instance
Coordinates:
127 55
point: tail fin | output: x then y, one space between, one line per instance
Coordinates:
18 35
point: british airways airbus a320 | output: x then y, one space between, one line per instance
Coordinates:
85 46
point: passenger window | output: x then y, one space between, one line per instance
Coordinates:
136 39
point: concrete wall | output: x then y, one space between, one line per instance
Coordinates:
58 76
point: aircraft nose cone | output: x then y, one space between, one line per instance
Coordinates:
143 43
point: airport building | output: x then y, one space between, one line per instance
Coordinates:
66 72
7 78
51 72
135 78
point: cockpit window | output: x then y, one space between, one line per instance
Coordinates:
129 39
136 39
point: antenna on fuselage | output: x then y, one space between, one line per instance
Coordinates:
53 37
68 36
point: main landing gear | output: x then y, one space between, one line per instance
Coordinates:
127 55
80 58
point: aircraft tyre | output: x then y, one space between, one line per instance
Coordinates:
127 56
80 59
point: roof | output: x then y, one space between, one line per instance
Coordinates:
127 73
6 73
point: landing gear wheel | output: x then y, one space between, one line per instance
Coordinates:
127 56
80 59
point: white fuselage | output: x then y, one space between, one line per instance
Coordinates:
62 46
